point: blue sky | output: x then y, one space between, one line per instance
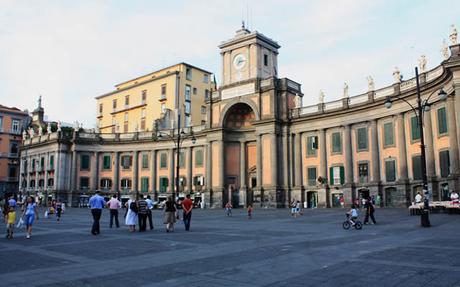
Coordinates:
71 51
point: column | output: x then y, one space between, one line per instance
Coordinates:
322 154
298 159
274 159
375 169
222 164
27 169
243 165
347 143
285 159
136 171
95 171
57 172
45 167
172 170
153 171
189 169
73 172
429 150
208 179
259 161
116 175
453 141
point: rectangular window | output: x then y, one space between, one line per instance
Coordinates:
14 149
203 110
337 175
362 138
415 129
144 184
188 90
15 129
164 182
12 171
312 145
181 159
126 161
145 160
205 78
188 121
417 167
84 162
163 92
101 108
144 97
126 183
114 104
142 125
442 121
126 117
42 163
336 142
84 182
188 74
163 160
363 172
390 170
388 134
51 163
444 163
125 127
106 183
106 162
126 101
311 173
1 124
194 91
206 95
199 158
188 107
265 60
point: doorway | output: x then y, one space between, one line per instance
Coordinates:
389 196
312 199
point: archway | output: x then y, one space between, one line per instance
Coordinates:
239 115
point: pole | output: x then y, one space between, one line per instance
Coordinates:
177 155
425 221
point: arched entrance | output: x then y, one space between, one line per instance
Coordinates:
390 195
240 155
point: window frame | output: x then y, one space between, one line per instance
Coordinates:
332 142
384 141
394 169
413 130
366 134
446 132
109 161
197 164
82 168
165 155
312 181
145 161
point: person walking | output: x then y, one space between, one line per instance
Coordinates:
149 211
58 210
187 206
369 212
96 203
142 214
169 217
131 214
11 217
228 208
30 213
249 211
114 204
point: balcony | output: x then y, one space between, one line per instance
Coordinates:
162 98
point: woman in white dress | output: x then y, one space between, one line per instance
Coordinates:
131 214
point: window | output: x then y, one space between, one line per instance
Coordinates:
1 124
127 101
442 121
143 113
181 159
206 95
84 182
14 148
12 171
390 170
164 182
188 107
163 108
336 175
84 162
125 183
336 142
145 160
188 74
194 91
125 117
363 172
388 134
265 60
163 92
15 129
101 108
144 96
417 167
106 162
114 104
51 162
106 183
444 163
42 163
126 161
163 160
312 145
188 121
187 92
311 173
203 110
199 158
205 78
144 184
362 139
415 129
50 182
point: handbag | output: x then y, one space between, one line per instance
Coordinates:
46 214
20 223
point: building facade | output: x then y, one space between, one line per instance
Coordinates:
135 104
12 121
259 146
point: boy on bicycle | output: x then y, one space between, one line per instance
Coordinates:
353 214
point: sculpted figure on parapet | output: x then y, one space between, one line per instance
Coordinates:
422 63
321 97
370 84
345 90
445 50
397 75
453 34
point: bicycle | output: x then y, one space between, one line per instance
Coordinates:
348 223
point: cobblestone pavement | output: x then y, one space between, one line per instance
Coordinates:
271 249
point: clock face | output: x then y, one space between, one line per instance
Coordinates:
239 61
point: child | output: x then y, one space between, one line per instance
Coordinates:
353 214
249 211
228 208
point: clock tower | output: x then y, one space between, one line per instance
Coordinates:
248 55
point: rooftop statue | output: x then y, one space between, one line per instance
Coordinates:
370 84
31 132
422 64
453 34
59 126
345 90
397 75
321 97
24 134
445 50
48 128
40 130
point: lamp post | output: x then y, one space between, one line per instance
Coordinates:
178 136
419 110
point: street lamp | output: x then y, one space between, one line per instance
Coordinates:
419 110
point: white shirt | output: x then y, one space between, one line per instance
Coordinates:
454 196
354 213
418 198
149 203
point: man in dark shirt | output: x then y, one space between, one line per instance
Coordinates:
187 206
142 213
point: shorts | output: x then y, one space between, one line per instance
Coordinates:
30 219
11 217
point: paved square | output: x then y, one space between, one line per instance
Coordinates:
272 249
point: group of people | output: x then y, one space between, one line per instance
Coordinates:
28 216
138 211
229 207
369 207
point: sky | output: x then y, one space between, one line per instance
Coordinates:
72 51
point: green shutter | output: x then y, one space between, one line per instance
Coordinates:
199 158
144 184
362 138
442 121
336 143
342 175
388 134
417 167
444 162
163 160
145 161
182 159
51 162
331 175
106 162
415 129
84 162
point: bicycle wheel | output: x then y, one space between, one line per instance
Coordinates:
358 225
346 225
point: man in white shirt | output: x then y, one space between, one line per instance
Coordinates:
114 204
418 198
454 197
149 212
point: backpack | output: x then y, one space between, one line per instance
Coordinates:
133 207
